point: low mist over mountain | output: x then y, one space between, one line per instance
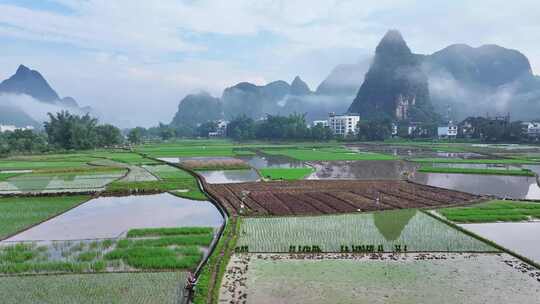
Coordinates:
344 79
487 79
26 97
197 108
395 86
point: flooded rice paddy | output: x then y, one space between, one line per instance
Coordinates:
380 278
521 238
270 161
519 187
110 217
414 152
230 176
366 170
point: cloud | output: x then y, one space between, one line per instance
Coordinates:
134 59
36 109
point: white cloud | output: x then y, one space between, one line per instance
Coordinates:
140 57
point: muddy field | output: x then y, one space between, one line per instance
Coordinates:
314 197
447 278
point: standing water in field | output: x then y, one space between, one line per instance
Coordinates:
522 238
366 170
271 161
519 187
230 176
109 217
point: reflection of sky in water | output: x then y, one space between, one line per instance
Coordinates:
522 238
266 161
108 217
502 186
230 176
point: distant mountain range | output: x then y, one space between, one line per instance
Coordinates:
399 84
26 96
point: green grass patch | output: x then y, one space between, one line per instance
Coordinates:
18 213
327 154
171 178
207 289
177 240
471 161
515 172
146 232
147 287
493 211
285 173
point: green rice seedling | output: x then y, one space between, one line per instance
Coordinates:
142 287
188 250
418 231
182 240
98 266
93 245
285 173
169 262
87 256
493 211
106 244
133 233
18 213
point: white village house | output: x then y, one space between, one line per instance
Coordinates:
343 124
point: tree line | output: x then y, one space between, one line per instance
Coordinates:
63 131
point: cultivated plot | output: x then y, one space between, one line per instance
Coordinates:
314 197
402 230
18 213
110 217
148 288
400 279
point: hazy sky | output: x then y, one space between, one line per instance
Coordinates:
134 60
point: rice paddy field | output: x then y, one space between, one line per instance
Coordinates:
285 173
494 211
288 240
400 279
18 213
388 231
147 287
166 178
60 182
150 249
326 154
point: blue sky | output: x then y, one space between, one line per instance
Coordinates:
140 58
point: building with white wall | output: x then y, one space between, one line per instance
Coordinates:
343 124
448 131
323 123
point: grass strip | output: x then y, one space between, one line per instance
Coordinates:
493 211
168 231
209 280
327 154
180 240
513 172
286 173
471 161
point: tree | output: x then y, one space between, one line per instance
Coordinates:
108 135
204 129
22 141
135 135
68 131
374 129
241 128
